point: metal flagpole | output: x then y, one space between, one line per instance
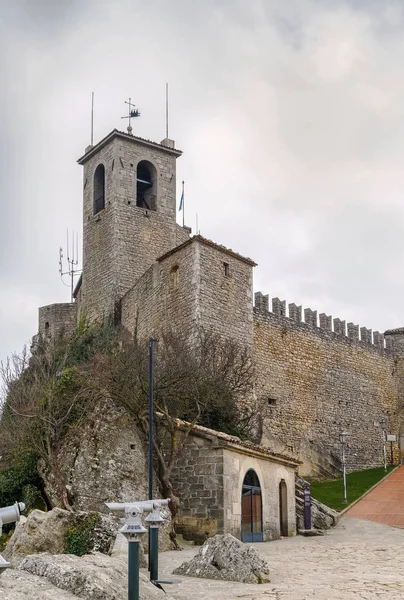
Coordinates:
92 118
183 205
167 110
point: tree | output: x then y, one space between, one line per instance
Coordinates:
201 380
42 400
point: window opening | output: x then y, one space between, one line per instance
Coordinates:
226 269
146 185
99 189
174 275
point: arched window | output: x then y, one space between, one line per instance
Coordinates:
146 185
251 509
99 189
174 276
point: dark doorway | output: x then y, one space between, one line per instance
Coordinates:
283 508
251 509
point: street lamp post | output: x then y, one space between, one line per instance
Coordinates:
342 439
383 427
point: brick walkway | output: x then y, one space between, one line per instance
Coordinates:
385 503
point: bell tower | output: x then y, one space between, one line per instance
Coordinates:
129 216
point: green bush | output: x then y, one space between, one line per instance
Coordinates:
21 472
90 339
78 540
4 539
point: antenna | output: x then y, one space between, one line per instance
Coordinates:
167 110
72 261
92 118
133 112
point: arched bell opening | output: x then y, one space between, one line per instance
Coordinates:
99 189
283 509
251 509
146 185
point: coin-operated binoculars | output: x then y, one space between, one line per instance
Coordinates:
9 514
133 530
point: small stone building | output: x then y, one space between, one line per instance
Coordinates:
227 485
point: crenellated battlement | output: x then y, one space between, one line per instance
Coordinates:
325 322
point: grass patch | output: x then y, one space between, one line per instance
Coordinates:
331 492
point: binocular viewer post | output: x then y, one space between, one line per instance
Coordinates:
133 530
9 514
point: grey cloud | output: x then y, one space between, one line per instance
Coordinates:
289 114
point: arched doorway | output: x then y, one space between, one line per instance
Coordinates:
283 508
251 509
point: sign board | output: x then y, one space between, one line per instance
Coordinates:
391 437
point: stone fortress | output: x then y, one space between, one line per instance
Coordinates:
314 378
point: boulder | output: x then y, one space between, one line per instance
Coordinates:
41 532
225 557
68 577
92 577
46 532
18 585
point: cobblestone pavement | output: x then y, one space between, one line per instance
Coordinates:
358 559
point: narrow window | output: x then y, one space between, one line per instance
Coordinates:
146 186
99 189
226 269
174 276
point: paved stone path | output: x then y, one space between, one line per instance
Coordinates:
385 503
356 560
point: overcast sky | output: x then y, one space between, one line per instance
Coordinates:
290 115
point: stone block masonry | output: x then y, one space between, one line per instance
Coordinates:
317 382
57 320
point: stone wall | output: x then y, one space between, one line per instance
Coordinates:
198 481
122 241
165 297
57 320
208 478
270 475
315 381
226 298
188 288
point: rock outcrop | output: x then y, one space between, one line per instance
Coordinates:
46 532
322 517
225 557
68 577
107 462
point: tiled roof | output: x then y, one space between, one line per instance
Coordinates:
233 440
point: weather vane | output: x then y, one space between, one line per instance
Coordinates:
132 113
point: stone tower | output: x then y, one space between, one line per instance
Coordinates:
129 216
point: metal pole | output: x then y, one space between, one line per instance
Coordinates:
92 118
384 450
391 453
133 571
154 553
344 471
167 110
151 411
